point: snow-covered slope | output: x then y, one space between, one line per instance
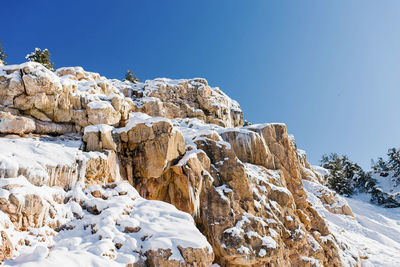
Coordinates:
373 234
101 226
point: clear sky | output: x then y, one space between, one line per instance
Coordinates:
329 69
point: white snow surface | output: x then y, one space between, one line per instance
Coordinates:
373 235
36 156
103 128
90 239
136 118
388 184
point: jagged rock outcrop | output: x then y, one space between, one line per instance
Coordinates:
70 99
243 187
62 102
192 98
147 148
249 146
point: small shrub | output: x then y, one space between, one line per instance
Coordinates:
130 77
3 54
42 57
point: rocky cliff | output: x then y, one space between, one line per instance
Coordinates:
160 173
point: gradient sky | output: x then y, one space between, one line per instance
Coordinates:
330 70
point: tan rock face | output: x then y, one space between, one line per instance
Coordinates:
77 98
161 257
182 183
99 138
10 86
284 157
244 189
102 168
249 147
102 112
188 98
38 79
146 150
62 102
29 210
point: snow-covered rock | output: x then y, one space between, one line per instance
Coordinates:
108 225
252 195
183 98
56 161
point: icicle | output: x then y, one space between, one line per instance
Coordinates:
41 218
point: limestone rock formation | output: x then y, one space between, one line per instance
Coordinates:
62 102
147 148
244 188
69 137
192 98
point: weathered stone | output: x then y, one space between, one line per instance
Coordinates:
10 124
39 115
99 138
248 146
10 86
38 79
53 128
102 112
180 184
189 98
147 150
102 168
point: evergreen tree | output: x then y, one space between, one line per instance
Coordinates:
3 54
42 57
247 123
394 162
346 177
381 167
389 168
339 179
130 77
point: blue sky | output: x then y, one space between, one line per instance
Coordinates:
329 69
